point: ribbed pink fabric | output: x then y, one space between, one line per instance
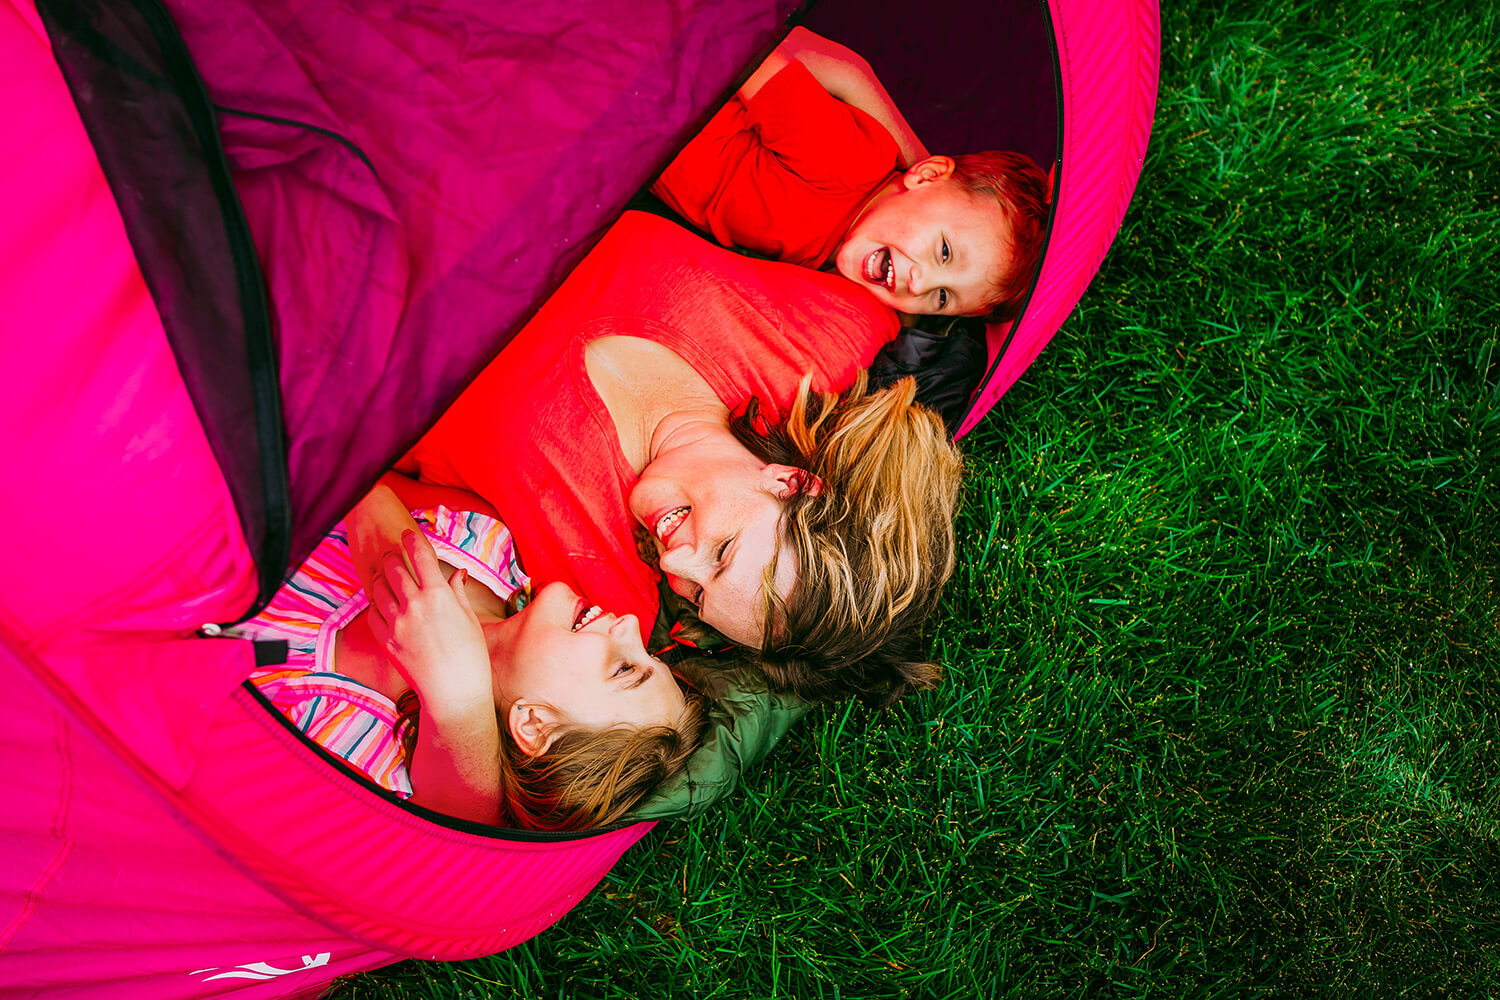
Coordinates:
104 893
415 887
99 431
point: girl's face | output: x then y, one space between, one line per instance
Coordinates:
586 666
714 511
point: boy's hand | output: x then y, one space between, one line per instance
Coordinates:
429 630
848 76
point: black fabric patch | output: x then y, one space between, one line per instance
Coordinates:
270 652
947 366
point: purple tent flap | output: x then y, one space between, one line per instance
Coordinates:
418 179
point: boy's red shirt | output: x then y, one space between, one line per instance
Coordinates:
784 173
532 436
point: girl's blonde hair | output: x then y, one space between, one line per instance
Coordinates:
873 536
586 778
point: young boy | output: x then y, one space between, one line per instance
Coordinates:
812 163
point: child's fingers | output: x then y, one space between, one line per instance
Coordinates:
383 601
393 570
380 626
424 561
456 584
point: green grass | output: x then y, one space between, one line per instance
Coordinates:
1223 708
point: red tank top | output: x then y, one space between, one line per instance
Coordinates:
532 436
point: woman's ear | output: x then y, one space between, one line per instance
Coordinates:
790 481
533 726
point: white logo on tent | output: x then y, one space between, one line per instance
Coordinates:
264 970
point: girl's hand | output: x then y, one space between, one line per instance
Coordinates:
433 636
429 630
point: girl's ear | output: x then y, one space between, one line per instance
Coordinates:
533 726
790 481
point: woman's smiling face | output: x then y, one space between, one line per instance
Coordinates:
714 511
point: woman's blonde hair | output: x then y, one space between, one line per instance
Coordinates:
873 536
588 777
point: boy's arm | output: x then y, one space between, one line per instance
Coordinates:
846 75
774 63
426 626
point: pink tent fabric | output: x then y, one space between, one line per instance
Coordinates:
172 837
1107 61
167 835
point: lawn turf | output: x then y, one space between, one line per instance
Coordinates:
1223 645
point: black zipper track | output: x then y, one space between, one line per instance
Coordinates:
255 309
506 834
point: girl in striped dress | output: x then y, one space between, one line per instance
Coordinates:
413 656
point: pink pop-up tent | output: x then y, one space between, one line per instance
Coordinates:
251 251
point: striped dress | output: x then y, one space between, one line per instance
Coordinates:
345 717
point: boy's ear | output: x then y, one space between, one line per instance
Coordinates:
790 480
533 726
934 168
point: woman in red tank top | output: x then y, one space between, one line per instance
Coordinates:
672 392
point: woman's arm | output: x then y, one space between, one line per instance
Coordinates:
418 495
846 75
433 636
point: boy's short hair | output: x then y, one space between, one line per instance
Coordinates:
1018 184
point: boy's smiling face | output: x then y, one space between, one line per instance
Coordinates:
932 246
